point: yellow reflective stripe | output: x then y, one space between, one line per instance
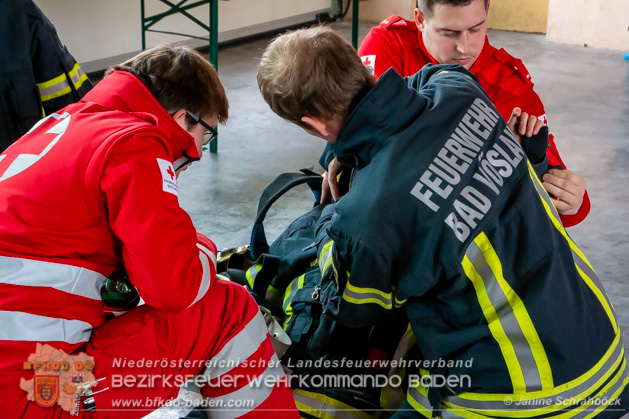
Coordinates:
367 301
358 295
580 388
52 82
360 290
617 389
388 398
521 314
273 293
318 406
399 303
418 399
60 85
615 386
325 258
251 274
554 217
508 352
290 291
287 294
287 304
602 298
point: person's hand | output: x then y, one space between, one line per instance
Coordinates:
181 169
527 126
330 184
568 189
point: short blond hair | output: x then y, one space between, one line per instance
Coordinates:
312 72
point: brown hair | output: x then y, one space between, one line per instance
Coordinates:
179 78
312 72
427 6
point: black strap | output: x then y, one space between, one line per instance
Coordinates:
282 184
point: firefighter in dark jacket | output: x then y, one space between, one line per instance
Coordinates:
447 220
38 76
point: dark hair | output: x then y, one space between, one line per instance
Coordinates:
179 78
427 6
312 72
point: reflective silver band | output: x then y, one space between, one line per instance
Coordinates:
53 88
67 278
19 326
588 386
578 260
256 392
361 297
294 287
507 318
307 402
239 348
206 256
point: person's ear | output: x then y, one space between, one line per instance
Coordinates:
317 124
487 8
178 114
420 19
180 118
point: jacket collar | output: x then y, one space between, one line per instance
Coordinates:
478 64
124 92
381 113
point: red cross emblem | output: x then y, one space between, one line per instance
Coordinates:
171 173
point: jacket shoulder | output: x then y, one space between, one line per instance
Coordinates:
511 65
397 23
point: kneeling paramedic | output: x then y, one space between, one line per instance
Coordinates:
447 221
92 190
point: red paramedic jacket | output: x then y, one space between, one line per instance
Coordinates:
397 43
88 190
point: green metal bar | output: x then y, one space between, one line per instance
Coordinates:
355 24
177 9
204 38
213 52
143 28
180 8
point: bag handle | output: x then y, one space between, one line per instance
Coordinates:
282 184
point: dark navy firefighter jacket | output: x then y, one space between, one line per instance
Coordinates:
447 221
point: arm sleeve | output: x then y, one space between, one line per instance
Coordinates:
362 276
60 79
170 264
532 104
382 50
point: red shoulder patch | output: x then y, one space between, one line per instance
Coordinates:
515 63
396 20
391 20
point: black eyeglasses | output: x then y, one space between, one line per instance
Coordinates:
208 135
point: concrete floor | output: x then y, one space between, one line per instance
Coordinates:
586 94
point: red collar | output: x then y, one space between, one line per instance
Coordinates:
124 92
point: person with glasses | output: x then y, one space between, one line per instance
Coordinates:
89 196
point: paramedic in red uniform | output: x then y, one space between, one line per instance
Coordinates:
454 32
92 188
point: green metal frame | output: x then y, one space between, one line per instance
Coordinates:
182 8
355 23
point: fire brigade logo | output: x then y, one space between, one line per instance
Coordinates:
58 378
46 390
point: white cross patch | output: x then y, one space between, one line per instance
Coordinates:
370 62
169 179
